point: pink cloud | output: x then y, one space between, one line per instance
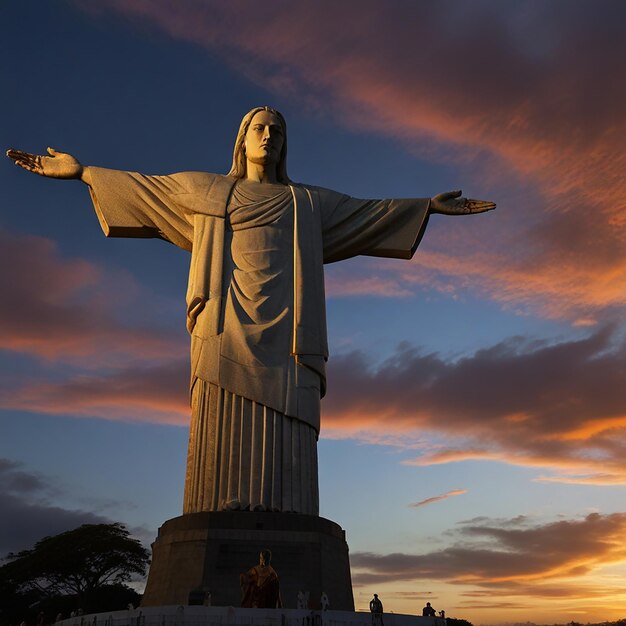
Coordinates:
345 281
509 94
53 308
556 407
157 394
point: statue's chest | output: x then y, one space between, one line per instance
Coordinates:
265 248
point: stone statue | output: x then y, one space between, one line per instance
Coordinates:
256 307
302 600
259 585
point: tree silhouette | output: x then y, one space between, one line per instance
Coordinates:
76 563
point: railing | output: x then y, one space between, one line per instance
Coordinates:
230 616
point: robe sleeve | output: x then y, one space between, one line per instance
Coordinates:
129 204
385 228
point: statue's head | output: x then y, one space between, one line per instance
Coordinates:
239 167
265 557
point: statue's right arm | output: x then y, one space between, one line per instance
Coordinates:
55 165
128 204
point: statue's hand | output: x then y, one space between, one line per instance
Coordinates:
57 165
450 203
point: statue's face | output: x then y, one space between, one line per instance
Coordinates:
264 139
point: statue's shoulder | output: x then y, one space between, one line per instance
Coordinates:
321 195
203 192
196 180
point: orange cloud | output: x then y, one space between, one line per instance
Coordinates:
510 558
53 308
557 407
150 394
508 96
443 496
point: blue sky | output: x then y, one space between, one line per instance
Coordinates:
482 381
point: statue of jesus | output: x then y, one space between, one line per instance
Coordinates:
255 301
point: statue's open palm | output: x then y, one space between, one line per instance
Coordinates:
57 165
451 203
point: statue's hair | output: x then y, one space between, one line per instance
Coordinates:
267 555
239 167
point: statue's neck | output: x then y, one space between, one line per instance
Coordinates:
259 173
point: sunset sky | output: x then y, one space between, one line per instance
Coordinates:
473 436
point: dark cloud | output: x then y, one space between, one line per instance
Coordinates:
22 523
557 406
27 516
411 595
14 480
517 521
511 561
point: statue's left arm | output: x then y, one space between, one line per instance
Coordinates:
386 228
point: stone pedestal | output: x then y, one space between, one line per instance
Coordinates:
208 551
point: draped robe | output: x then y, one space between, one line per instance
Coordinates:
256 315
260 588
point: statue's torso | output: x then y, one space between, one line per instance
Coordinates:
258 276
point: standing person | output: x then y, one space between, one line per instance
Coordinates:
376 609
255 301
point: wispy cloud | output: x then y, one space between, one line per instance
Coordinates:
505 107
510 560
147 394
508 94
443 496
106 363
55 308
557 407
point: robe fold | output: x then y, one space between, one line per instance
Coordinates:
256 315
260 588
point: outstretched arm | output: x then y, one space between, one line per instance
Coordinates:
388 228
127 204
450 203
56 165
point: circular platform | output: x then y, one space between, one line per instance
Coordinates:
206 552
227 616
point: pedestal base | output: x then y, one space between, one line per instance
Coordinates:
208 551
